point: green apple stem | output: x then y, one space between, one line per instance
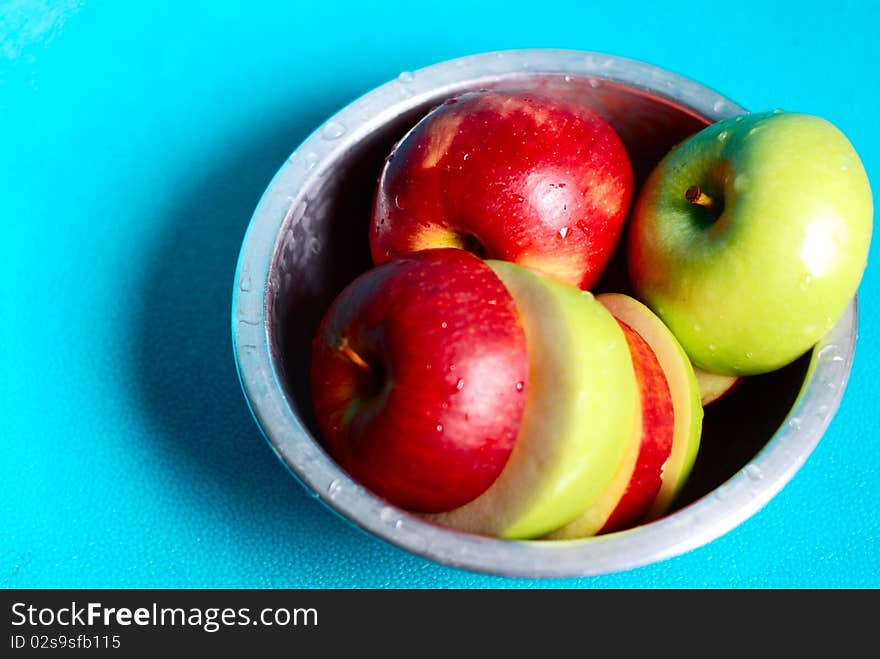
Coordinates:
696 196
349 352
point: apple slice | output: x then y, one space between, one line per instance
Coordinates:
579 414
683 387
630 495
714 385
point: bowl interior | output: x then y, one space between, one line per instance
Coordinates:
323 245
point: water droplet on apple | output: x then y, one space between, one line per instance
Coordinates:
311 159
518 198
698 328
712 347
778 111
397 203
439 427
755 130
583 226
459 384
563 232
492 302
405 76
753 472
333 488
739 118
750 356
805 282
520 386
465 156
723 136
332 130
444 324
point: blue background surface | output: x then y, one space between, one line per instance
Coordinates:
135 141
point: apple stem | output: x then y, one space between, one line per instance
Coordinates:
349 352
696 196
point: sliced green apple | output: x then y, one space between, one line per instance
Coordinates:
714 385
579 416
632 492
683 386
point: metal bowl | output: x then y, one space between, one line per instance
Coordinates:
308 238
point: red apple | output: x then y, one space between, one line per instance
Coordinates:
539 182
419 372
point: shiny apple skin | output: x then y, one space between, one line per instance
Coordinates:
432 423
753 290
542 183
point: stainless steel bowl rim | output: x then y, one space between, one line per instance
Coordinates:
688 528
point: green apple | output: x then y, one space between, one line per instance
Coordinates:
750 238
580 412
